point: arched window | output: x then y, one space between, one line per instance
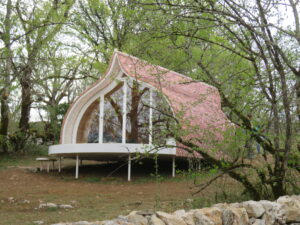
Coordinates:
148 116
112 122
137 121
88 130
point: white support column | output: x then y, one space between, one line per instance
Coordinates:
59 164
77 167
173 166
101 117
129 167
124 112
150 116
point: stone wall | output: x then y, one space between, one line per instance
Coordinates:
285 210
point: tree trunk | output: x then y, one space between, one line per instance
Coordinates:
7 53
25 101
4 119
298 100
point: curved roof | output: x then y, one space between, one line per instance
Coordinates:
196 104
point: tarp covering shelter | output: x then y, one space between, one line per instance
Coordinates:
116 116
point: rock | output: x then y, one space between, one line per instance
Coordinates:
65 206
189 218
116 222
254 209
170 219
38 222
235 205
26 201
200 219
291 208
284 211
274 213
11 199
259 222
235 216
228 217
136 219
47 205
155 221
213 213
81 223
179 213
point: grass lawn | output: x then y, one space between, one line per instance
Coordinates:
96 196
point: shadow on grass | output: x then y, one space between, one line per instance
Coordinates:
116 172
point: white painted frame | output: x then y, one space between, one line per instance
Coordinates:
100 95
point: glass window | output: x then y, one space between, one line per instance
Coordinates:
113 110
137 122
162 119
88 130
137 117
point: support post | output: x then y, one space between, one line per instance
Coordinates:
129 167
124 112
150 116
48 166
59 164
173 166
77 166
101 117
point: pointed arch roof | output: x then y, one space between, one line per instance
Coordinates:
197 103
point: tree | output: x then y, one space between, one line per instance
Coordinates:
249 32
49 19
58 80
7 73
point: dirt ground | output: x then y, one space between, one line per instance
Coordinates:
94 196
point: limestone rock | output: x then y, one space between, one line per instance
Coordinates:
47 205
11 199
117 222
201 219
274 213
235 216
291 208
189 218
136 219
170 219
81 223
65 206
214 214
254 209
155 221
259 222
228 217
179 213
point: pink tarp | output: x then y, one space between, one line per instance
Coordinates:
198 103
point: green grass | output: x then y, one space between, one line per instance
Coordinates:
23 159
92 179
